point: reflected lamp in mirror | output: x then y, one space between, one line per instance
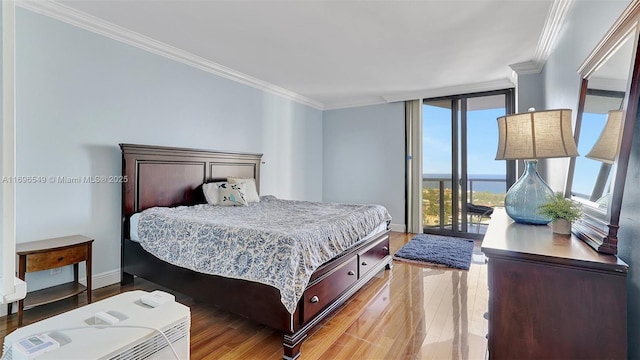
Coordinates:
531 136
606 147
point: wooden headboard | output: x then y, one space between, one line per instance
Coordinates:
169 176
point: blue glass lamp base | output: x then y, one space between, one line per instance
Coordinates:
526 195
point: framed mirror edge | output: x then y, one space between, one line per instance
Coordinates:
600 232
626 22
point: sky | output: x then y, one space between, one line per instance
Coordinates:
482 139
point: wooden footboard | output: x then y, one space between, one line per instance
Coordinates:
161 176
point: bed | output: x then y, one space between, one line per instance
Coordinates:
159 176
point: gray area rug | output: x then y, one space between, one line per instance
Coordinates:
437 250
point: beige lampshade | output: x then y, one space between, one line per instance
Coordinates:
606 148
536 135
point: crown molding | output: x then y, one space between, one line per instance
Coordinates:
527 67
96 25
352 104
451 90
548 38
551 30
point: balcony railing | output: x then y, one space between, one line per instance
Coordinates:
437 197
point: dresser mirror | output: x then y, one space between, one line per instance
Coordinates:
604 127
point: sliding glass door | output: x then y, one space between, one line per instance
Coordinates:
461 180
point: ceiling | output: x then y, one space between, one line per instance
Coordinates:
335 54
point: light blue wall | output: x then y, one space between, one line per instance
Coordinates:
587 23
80 94
364 157
530 94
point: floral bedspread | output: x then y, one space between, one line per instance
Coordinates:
275 242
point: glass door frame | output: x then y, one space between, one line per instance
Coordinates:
459 158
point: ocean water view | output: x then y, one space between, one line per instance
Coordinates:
491 183
483 189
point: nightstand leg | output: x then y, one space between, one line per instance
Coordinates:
22 269
88 271
75 280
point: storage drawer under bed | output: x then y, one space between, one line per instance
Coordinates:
324 291
370 257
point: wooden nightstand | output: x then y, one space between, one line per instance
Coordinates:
49 254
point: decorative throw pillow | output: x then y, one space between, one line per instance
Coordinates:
232 194
211 192
250 186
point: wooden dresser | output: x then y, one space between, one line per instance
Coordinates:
552 296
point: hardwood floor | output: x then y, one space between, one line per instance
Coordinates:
410 312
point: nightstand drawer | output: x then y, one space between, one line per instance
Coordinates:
57 258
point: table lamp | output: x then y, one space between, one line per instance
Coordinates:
531 136
606 147
605 150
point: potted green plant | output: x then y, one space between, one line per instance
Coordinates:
562 212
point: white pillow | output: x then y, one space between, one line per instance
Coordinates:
250 186
232 194
211 192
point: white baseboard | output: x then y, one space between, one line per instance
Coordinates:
104 279
398 227
97 281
